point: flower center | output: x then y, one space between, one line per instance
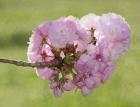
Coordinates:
66 62
98 57
65 58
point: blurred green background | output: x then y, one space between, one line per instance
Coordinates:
20 87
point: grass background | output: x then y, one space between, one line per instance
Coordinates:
20 87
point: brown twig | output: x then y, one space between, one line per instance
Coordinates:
28 64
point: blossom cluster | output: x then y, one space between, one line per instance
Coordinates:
84 49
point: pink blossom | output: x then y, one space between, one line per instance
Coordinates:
84 50
68 86
92 69
112 29
56 89
36 40
62 32
85 90
117 33
57 92
46 73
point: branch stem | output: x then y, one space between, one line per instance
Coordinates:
28 64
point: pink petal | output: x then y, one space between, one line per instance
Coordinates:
68 86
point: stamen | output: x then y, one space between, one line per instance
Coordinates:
94 40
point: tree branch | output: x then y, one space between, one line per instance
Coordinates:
28 64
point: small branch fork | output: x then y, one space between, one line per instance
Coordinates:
28 64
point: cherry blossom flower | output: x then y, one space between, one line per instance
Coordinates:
46 73
92 69
85 50
117 32
111 28
37 42
69 86
62 32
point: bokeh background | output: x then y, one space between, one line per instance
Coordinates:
20 87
